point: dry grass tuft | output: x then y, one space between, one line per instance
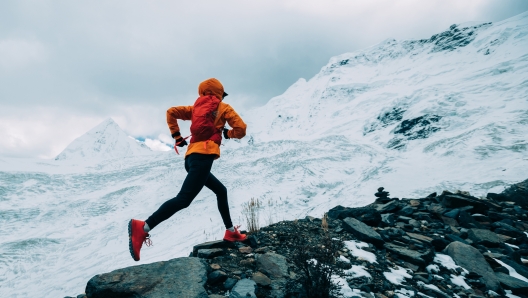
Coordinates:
324 222
251 211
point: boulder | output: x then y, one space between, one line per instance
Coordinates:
517 193
212 244
517 286
484 237
244 288
181 277
272 264
362 231
459 200
209 253
420 237
261 279
421 259
468 257
390 207
216 277
368 215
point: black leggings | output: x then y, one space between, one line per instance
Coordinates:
198 167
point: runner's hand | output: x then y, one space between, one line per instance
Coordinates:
180 142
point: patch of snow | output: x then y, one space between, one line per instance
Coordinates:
344 259
511 245
447 262
510 295
513 272
355 249
404 293
358 271
397 276
432 268
459 281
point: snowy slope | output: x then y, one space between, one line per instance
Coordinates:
448 112
105 141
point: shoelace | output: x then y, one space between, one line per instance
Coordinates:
147 240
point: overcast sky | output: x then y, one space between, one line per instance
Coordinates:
65 66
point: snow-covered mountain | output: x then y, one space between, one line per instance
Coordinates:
105 141
448 112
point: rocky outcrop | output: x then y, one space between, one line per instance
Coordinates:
181 277
444 245
517 193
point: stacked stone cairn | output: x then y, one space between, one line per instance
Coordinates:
434 242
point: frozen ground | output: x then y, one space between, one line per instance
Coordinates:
448 112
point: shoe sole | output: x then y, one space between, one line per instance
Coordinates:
130 248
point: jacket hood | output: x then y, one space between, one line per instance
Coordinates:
211 87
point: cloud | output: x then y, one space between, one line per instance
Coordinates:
77 63
157 145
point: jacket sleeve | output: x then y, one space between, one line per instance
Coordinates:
174 113
234 120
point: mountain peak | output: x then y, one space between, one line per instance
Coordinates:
105 141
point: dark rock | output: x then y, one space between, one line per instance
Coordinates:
411 256
388 219
459 200
454 238
517 193
367 215
244 288
436 209
273 265
210 253
467 221
392 206
453 213
415 223
216 277
230 283
440 243
406 211
181 277
484 237
498 216
506 229
517 286
252 241
501 269
261 279
212 244
450 221
362 231
404 219
472 260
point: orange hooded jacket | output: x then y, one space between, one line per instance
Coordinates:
225 114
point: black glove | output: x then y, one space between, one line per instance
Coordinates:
225 134
180 142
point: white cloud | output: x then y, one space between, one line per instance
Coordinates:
157 145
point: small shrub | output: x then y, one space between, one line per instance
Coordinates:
317 265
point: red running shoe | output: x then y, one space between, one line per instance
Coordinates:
234 236
136 237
